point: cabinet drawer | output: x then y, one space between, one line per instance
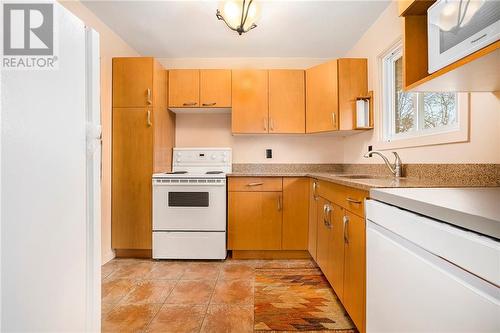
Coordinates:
255 184
347 197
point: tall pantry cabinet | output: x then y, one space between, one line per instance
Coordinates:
142 142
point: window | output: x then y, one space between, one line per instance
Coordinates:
408 115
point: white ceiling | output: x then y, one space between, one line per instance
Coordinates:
178 29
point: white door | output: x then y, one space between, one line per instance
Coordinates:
45 244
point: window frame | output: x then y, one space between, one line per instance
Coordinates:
389 139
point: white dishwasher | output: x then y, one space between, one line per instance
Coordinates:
424 275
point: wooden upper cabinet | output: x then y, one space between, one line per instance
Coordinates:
295 213
331 92
287 112
215 88
250 101
355 268
184 88
132 82
254 220
322 98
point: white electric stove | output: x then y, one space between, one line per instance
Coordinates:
189 205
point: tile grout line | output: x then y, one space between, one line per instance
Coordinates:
210 299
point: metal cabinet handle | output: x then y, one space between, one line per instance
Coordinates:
279 203
189 104
334 119
315 189
149 100
149 123
346 226
354 201
265 124
327 217
271 124
209 104
255 184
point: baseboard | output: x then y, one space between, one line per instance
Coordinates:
271 254
133 253
107 257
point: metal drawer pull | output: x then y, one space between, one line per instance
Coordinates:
209 104
149 100
315 189
346 233
255 184
149 118
354 201
190 104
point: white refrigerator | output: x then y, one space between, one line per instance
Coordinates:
50 188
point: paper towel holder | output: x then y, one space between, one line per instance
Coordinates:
363 119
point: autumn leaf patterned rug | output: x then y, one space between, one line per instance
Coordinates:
297 300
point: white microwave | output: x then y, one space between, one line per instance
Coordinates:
457 28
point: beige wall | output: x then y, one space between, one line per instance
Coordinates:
484 144
194 130
111 45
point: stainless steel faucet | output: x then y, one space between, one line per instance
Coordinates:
396 168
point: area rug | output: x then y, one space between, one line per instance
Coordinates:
297 300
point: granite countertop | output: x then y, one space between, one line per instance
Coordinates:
474 209
365 183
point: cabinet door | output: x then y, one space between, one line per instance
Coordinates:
287 112
352 83
295 213
184 88
313 219
322 98
336 252
215 88
254 220
355 268
132 166
132 82
323 235
249 101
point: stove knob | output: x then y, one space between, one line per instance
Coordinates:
213 156
178 160
225 159
178 153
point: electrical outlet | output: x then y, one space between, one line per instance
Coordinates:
269 153
370 148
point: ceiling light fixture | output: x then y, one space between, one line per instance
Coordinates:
239 15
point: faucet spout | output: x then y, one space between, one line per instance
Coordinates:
395 168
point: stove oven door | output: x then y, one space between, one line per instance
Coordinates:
189 204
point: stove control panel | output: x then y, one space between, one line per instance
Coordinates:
217 158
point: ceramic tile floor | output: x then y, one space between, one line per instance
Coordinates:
182 296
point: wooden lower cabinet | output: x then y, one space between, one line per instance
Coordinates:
254 220
313 218
340 247
295 213
268 213
355 268
336 252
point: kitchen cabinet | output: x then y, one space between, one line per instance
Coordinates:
287 101
354 267
331 92
132 82
295 213
184 88
215 88
199 88
474 72
143 133
340 244
254 220
250 101
313 218
268 213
